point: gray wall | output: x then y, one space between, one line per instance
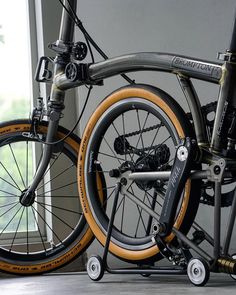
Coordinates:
196 28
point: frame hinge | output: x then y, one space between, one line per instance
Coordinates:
227 56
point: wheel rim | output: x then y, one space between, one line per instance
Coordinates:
129 255
37 225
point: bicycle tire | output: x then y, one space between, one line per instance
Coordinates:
33 252
105 127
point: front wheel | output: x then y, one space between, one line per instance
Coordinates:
135 129
52 231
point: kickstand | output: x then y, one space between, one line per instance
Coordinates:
110 224
97 265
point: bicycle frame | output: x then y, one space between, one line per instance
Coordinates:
185 68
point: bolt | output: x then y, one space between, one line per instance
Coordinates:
217 170
114 173
123 181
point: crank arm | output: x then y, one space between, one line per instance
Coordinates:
179 174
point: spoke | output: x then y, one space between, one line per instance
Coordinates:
27 163
10 183
131 157
10 220
6 205
10 176
56 216
154 138
156 200
55 189
60 208
16 231
109 196
9 210
144 125
27 229
136 231
43 219
140 214
104 188
123 123
40 234
114 157
141 131
118 207
8 194
122 219
112 150
159 167
59 174
17 165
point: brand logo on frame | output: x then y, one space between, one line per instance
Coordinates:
184 63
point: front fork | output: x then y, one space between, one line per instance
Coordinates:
56 105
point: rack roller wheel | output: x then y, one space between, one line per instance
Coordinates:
95 268
198 271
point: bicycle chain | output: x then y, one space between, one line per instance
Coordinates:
144 130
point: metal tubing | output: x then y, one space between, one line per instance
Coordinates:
188 242
208 238
47 152
147 61
142 205
230 226
150 218
154 61
111 221
195 109
165 175
159 271
67 24
217 219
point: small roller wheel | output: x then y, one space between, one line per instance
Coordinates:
198 271
95 268
233 276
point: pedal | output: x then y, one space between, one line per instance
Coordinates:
176 255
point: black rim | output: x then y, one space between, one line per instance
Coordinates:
57 195
149 130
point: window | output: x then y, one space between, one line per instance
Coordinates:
15 73
15 101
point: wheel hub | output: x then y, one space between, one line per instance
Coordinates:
27 198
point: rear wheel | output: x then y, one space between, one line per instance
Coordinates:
135 129
52 231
